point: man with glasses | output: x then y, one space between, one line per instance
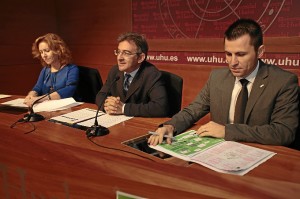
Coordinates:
134 87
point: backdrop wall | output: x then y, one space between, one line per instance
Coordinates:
184 37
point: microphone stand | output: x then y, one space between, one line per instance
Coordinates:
35 117
32 116
96 129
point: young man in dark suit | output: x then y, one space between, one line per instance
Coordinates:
271 108
134 86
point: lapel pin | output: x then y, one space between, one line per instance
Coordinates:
261 85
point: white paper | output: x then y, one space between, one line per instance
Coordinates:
4 96
49 105
232 157
86 117
123 195
77 116
55 105
225 156
105 120
16 103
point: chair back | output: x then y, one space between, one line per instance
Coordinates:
89 84
174 84
296 143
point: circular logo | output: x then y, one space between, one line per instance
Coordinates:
210 18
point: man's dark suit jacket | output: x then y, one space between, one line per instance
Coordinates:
271 115
146 96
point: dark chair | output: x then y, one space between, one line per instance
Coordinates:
296 143
89 84
174 84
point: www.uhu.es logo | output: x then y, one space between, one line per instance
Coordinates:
15 185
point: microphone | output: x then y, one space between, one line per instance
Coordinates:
35 117
32 116
96 129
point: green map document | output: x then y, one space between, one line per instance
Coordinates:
123 195
214 153
187 145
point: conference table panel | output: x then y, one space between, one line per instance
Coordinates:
33 166
57 161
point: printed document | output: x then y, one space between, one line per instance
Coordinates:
86 118
49 105
216 154
4 96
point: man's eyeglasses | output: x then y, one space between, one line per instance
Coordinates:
125 53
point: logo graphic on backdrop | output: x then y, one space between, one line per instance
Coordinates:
179 19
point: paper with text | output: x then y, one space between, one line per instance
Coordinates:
216 154
105 120
86 117
76 116
49 105
232 157
4 96
16 103
187 145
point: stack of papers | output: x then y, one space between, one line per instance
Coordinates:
49 105
86 118
4 96
216 154
76 116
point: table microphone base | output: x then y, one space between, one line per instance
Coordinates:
94 131
33 117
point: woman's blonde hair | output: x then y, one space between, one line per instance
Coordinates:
56 44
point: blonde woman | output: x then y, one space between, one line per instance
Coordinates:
58 78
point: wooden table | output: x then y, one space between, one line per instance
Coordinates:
57 161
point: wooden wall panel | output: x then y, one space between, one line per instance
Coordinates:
18 79
20 23
91 29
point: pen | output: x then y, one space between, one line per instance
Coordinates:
165 136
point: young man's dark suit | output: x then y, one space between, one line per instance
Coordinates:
146 96
271 115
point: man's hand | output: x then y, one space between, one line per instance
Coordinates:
212 129
161 131
113 105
